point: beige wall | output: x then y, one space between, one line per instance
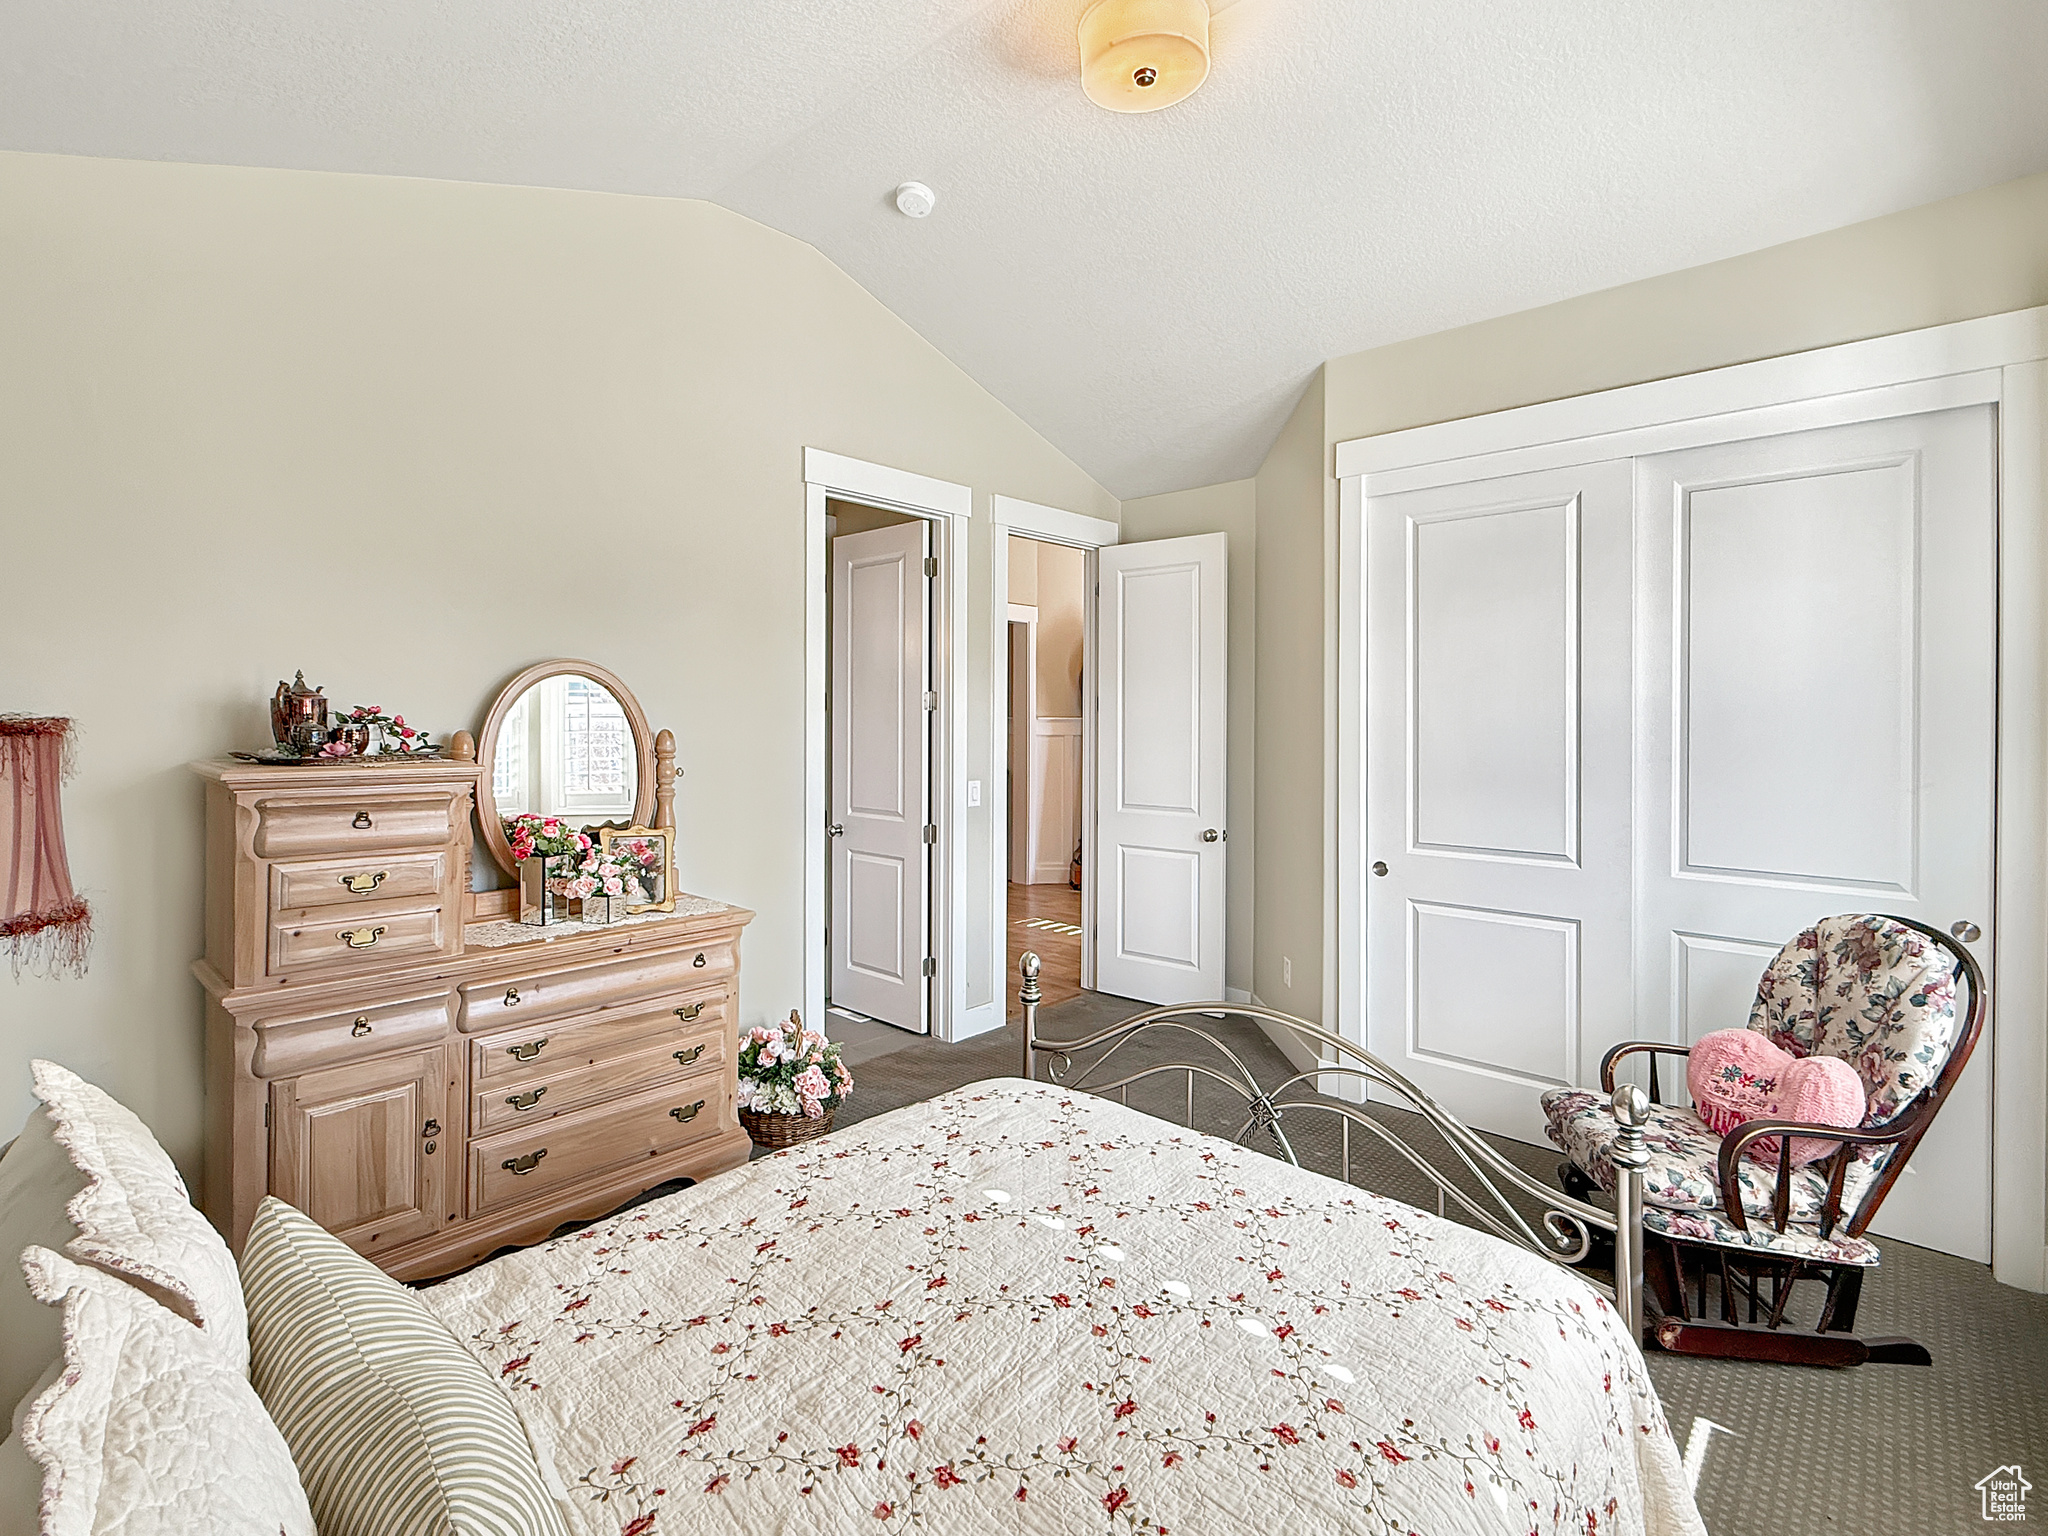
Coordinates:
1229 508
1287 970
378 428
1062 617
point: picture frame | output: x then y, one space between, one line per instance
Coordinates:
653 850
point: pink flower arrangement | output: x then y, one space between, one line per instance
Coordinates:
398 737
789 1070
547 835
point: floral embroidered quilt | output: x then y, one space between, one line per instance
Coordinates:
1020 1309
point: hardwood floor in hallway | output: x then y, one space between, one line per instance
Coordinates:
1057 946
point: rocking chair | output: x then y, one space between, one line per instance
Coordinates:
1722 1232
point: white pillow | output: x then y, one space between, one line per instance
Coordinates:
150 1430
37 1182
134 1217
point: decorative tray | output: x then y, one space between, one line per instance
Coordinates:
276 759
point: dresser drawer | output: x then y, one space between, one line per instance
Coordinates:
294 828
362 938
514 1166
530 1100
553 994
354 882
285 1046
514 1056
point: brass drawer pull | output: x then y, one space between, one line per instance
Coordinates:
363 884
525 1100
362 820
431 1128
689 1011
686 1057
698 962
684 1113
526 1164
361 1027
528 1051
360 938
511 997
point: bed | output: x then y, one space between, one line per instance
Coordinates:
1019 1307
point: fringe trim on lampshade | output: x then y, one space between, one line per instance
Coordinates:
44 924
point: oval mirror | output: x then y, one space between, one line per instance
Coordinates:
565 739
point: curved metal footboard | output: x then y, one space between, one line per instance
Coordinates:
1478 1184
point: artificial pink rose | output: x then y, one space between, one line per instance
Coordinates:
582 841
813 1110
759 1035
614 886
407 732
552 822
398 719
337 749
811 1083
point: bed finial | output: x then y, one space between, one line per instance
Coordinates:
1028 995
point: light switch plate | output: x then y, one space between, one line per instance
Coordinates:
974 791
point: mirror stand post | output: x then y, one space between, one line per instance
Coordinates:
665 780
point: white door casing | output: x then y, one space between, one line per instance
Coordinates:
1160 853
881 773
1817 660
1497 937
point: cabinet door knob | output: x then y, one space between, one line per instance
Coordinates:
689 1011
686 1057
526 1100
431 1128
360 938
362 820
363 884
361 1027
528 1051
511 997
684 1113
698 962
526 1164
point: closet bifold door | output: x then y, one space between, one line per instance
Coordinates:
1817 634
1497 822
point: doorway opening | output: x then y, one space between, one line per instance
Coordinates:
881 710
1046 762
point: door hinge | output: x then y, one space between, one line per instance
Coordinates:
931 833
266 1117
931 702
931 565
931 966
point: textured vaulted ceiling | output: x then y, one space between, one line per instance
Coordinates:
1149 292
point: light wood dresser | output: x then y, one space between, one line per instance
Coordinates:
427 1089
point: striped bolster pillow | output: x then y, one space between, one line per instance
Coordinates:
397 1430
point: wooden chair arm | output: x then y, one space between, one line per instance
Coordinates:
1654 1048
1737 1141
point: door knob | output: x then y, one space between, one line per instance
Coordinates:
1379 867
1967 931
834 829
1212 836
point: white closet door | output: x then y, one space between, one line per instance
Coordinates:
1497 903
1163 707
881 770
1818 663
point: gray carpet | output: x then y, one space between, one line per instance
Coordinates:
1876 1451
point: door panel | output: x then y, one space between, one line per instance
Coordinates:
1497 941
881 757
363 1149
1818 662
1161 773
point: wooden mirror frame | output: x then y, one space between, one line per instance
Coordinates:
652 800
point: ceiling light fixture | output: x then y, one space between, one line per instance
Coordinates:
1141 55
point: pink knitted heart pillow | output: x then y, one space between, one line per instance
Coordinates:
1738 1075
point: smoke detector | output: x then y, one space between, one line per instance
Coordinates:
914 200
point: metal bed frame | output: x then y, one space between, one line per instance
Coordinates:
1568 1225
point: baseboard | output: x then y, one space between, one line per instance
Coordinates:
1238 995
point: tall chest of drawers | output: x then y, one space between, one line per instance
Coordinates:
432 1090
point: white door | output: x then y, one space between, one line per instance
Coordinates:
1160 851
1497 830
1818 657
881 762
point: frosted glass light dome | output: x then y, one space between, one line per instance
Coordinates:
1141 55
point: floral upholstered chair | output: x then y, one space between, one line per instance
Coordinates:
1723 1215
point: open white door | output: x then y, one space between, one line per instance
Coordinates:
881 772
1160 851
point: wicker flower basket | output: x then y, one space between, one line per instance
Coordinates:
771 1130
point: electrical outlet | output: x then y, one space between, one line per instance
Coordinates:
1286 971
974 791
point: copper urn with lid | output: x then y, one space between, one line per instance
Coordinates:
298 717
